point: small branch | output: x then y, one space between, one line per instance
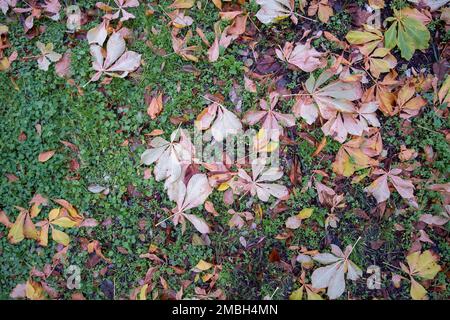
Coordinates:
206 98
296 94
303 17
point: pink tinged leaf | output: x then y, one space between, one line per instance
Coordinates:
337 251
52 6
272 174
213 52
151 155
97 34
325 258
126 15
90 222
45 156
322 277
43 63
19 291
114 49
131 3
197 190
305 109
293 222
379 189
253 117
262 193
276 190
433 220
336 285
228 197
198 223
336 129
129 62
305 57
29 22
353 271
404 187
342 90
226 124
352 125
249 85
96 52
286 120
62 68
168 166
206 117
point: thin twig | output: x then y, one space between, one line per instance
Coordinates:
301 16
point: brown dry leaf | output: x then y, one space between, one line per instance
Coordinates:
181 48
156 106
409 106
45 156
351 158
376 4
320 146
322 8
209 206
4 220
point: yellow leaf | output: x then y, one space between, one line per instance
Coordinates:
34 211
60 237
223 186
34 290
207 277
29 230
143 292
4 64
182 4
64 222
71 209
53 214
296 294
15 234
43 235
312 295
305 213
417 291
423 264
218 4
202 265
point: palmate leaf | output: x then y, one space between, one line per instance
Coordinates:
407 33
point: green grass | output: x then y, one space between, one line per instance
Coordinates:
100 119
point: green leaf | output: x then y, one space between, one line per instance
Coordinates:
417 32
405 44
390 37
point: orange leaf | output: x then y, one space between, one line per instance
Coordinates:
155 107
320 147
44 156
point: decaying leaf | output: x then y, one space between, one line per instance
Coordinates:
118 62
333 275
190 196
380 188
421 265
302 56
274 10
257 183
272 121
47 55
220 120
